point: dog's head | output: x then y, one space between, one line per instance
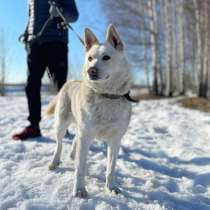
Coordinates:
106 68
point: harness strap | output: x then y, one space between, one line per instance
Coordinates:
127 96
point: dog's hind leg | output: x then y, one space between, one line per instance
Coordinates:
62 121
61 129
73 149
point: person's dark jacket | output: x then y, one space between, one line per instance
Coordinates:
38 15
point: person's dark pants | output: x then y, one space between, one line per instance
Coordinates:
51 55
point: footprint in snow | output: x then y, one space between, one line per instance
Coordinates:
160 130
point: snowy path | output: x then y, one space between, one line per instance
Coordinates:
164 163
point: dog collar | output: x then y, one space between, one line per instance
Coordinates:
127 96
111 96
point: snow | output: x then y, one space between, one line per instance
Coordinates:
164 163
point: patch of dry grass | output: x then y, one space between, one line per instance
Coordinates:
195 103
147 97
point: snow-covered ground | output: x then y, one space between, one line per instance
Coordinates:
164 163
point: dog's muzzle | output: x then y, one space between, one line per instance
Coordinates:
93 73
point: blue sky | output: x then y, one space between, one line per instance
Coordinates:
13 18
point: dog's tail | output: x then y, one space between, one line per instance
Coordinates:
51 107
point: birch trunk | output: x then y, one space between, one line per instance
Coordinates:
153 39
198 59
181 45
146 68
205 56
145 50
161 68
174 50
168 47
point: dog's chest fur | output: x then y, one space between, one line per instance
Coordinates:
105 116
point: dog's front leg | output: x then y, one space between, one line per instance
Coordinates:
82 148
112 153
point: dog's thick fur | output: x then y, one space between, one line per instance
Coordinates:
96 116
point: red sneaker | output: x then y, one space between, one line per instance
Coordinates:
28 132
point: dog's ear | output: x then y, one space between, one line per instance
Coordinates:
90 39
113 38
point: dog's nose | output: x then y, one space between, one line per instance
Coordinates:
92 70
93 73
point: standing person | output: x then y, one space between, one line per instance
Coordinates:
49 50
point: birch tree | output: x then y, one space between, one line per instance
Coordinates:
181 46
154 48
145 50
171 38
168 47
197 68
204 78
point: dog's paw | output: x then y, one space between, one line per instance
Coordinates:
81 193
113 190
53 166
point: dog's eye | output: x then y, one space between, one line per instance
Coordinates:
106 58
90 58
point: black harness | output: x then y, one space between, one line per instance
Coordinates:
126 96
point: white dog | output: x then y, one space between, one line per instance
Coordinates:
97 105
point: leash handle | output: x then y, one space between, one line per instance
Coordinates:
21 38
66 22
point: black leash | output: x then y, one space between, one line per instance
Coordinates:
64 25
44 26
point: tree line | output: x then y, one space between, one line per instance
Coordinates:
169 40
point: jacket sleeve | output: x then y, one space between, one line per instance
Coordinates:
70 11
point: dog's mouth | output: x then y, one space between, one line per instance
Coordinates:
94 75
98 78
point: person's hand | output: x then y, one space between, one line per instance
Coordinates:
53 11
23 37
62 25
